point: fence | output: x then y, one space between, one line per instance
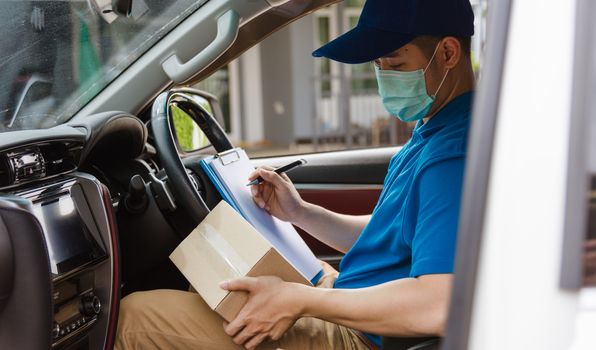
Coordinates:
348 112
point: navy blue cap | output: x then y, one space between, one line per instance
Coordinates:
386 25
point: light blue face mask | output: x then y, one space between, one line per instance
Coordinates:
404 93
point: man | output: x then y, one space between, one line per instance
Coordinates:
396 275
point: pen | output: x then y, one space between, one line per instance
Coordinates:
280 170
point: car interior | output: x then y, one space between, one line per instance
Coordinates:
95 196
92 206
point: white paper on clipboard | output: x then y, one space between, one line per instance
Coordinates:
282 235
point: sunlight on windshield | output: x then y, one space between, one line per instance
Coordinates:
55 56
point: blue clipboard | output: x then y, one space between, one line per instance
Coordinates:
229 158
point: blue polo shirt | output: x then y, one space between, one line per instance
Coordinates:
413 228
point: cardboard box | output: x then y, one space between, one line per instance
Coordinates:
225 246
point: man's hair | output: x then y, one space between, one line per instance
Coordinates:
428 43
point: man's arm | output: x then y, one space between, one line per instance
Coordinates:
279 197
338 231
406 307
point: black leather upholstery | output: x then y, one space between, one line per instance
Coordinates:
112 137
26 316
426 343
6 266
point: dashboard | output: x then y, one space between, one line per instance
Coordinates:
38 161
55 175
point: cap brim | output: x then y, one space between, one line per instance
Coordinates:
362 44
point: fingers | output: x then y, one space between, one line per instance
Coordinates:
324 283
255 341
254 190
272 177
253 175
243 336
257 195
262 195
234 327
256 173
266 195
286 177
325 265
242 284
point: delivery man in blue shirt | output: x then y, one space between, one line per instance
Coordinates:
395 278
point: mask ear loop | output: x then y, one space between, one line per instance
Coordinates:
431 58
444 76
442 81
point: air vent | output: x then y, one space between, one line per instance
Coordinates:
59 158
35 162
6 175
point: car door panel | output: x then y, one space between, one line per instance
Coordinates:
352 200
362 166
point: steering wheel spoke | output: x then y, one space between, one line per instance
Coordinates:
180 179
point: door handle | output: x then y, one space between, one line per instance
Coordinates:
227 30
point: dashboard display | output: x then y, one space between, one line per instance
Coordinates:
70 244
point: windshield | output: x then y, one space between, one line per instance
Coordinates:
56 55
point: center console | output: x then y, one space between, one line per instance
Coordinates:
73 215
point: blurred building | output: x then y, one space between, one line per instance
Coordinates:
278 97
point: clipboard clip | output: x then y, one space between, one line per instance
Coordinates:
228 157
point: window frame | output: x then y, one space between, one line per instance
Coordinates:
578 173
476 179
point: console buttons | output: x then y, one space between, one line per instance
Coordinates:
56 331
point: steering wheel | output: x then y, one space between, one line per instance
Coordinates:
186 99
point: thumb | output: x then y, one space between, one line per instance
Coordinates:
238 284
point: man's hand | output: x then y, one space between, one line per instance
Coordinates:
329 276
277 195
273 307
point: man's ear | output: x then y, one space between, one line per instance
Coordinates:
450 52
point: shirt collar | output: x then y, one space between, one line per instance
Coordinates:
456 109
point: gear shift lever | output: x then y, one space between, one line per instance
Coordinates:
136 200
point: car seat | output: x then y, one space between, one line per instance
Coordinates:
25 281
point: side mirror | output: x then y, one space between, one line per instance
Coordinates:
188 135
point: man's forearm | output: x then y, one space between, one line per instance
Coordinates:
406 307
336 230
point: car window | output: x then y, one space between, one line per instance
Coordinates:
55 56
279 100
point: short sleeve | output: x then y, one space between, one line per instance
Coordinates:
439 196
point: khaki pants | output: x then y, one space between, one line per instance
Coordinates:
170 319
